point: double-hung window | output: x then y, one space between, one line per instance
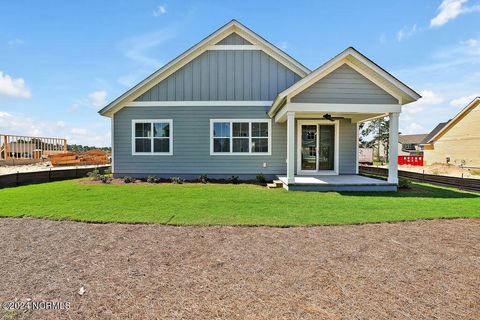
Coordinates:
152 137
240 136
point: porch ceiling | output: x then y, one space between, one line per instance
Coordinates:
355 112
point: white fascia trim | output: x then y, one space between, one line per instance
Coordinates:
169 121
198 103
333 64
249 153
234 47
195 51
336 108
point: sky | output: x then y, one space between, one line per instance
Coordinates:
62 61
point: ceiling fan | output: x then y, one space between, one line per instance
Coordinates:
330 118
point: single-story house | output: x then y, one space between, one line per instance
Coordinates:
235 104
410 143
456 141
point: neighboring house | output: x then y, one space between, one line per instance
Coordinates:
410 143
234 104
456 141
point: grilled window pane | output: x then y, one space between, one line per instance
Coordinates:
143 145
240 129
259 144
221 129
161 145
221 145
259 129
143 130
161 130
240 144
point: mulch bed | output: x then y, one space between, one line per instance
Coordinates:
417 270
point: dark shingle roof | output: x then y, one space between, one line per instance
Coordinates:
411 138
434 132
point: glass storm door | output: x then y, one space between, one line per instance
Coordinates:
317 147
309 147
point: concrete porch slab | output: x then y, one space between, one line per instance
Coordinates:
337 183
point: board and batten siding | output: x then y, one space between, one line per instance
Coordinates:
191 144
344 85
225 75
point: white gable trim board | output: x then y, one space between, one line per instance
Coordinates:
195 51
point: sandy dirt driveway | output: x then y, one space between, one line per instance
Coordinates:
410 270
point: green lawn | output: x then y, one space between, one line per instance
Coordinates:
231 204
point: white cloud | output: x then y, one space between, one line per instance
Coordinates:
463 101
414 128
79 131
429 98
98 98
94 135
160 10
283 45
16 42
451 9
95 99
407 32
13 87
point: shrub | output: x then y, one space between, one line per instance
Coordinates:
152 179
94 175
261 178
108 170
177 180
105 179
234 180
203 178
128 179
404 183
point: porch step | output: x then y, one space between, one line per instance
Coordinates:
275 184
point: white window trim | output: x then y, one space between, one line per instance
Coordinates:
249 153
169 121
336 153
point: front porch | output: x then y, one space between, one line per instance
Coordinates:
336 183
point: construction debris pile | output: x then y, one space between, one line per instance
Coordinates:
92 157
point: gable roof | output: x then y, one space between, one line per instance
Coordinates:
411 138
231 27
450 124
360 63
434 131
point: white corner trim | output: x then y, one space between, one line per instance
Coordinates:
356 147
249 153
169 121
235 47
112 141
192 103
336 155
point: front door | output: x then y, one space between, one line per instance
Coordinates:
316 152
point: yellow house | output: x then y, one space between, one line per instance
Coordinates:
458 142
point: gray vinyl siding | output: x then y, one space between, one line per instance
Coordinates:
234 39
225 75
191 144
347 153
344 85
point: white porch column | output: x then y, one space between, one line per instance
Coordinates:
291 147
393 148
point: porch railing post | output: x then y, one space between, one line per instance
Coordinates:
291 147
393 146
